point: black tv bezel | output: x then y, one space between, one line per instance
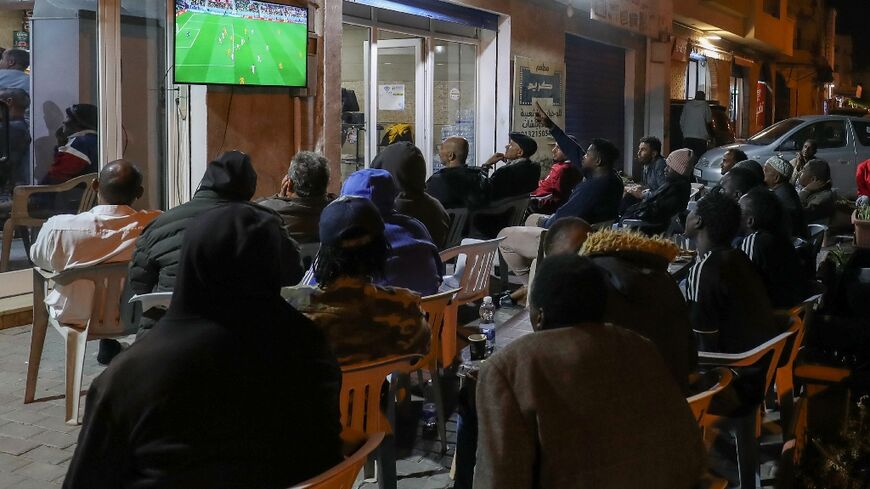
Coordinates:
247 85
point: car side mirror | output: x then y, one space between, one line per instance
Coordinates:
790 145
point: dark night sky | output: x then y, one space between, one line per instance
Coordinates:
853 17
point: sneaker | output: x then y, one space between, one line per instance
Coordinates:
506 301
109 349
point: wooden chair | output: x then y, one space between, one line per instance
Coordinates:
745 428
435 307
20 215
360 404
458 222
108 280
474 285
343 475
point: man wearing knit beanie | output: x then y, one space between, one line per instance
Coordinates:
659 206
777 173
680 161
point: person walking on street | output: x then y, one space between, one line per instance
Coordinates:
695 123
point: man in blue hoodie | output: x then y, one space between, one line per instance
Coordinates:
413 262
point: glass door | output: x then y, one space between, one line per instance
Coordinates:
399 94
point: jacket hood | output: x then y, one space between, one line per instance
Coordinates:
406 164
375 185
231 176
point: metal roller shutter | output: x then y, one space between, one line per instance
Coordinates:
595 92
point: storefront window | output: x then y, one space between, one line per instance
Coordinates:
455 95
354 96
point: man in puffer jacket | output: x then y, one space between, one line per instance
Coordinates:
230 178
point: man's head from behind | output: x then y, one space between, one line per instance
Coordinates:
601 153
454 151
566 236
649 149
18 101
15 59
716 219
352 241
569 290
737 182
308 174
700 95
761 210
119 183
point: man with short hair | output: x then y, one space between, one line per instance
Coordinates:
806 154
777 177
13 66
728 304
457 185
770 248
556 187
302 196
229 178
695 124
737 182
649 154
16 169
106 233
547 416
817 196
731 158
520 175
754 167
77 145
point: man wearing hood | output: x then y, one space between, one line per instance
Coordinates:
413 262
520 175
406 164
230 178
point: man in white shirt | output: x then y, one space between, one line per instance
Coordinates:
106 233
695 122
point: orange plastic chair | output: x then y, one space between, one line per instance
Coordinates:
343 475
360 404
699 403
474 285
104 322
435 308
746 428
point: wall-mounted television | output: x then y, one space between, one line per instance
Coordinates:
240 42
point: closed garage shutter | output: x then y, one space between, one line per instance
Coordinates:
595 92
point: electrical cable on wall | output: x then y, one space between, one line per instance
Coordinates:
226 123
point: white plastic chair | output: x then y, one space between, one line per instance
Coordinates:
104 322
474 285
160 300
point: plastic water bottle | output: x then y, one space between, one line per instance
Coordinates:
487 323
430 419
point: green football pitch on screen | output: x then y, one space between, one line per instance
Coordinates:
213 48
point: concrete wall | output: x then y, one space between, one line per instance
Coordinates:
10 21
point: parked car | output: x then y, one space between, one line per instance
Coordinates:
723 131
843 142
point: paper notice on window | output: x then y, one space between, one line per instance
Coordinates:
391 96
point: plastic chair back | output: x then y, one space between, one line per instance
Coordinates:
361 384
479 258
108 280
817 236
458 222
699 403
343 475
434 307
506 212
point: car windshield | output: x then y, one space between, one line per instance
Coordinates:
770 134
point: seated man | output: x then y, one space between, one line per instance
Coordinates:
457 185
730 159
186 405
406 164
754 167
806 154
106 233
302 196
77 145
230 178
728 304
362 321
594 200
770 248
658 207
520 175
413 262
649 155
777 175
557 186
817 197
737 182
16 169
862 182
643 297
581 403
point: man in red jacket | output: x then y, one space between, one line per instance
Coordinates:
862 179
558 183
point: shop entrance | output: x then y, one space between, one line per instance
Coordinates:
400 93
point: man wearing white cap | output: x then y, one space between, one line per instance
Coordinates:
777 176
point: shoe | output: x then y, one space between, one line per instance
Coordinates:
109 349
506 301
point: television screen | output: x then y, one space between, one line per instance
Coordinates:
240 42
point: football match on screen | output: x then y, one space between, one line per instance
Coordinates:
240 42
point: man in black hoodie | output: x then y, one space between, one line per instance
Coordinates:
520 175
230 178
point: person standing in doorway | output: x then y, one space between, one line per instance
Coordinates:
695 123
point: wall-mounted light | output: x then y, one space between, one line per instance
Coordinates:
439 49
713 37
